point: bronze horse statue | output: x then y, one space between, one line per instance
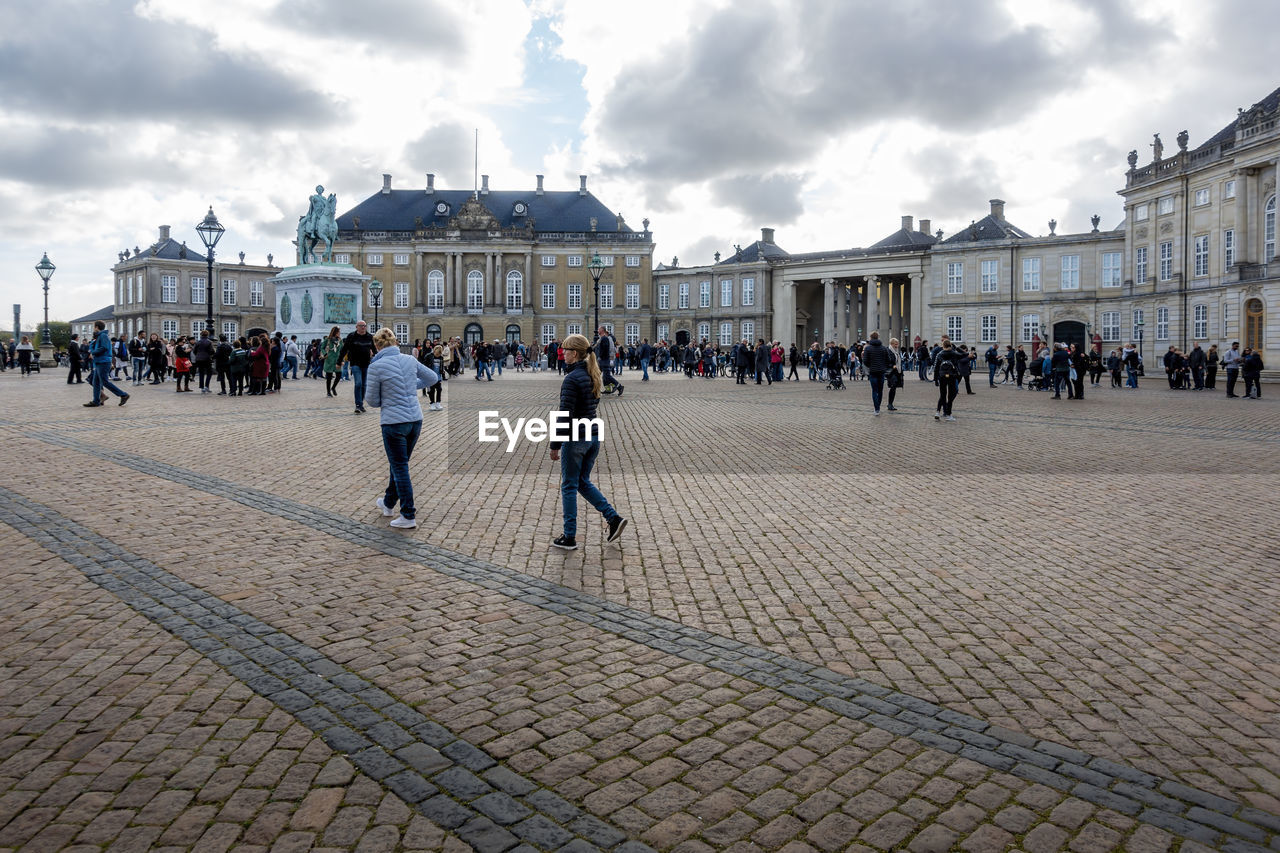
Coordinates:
319 224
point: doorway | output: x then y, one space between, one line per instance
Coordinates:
1253 325
1069 332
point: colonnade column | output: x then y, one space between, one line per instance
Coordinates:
868 299
899 293
842 313
916 305
882 308
829 319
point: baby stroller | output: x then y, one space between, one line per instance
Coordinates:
1037 381
836 382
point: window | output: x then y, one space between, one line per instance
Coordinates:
633 260
990 282
684 294
433 332
1030 273
607 260
1111 325
1229 190
1142 212
169 292
1166 260
475 291
1228 248
513 334
631 334
126 292
548 295
704 294
401 294
256 294
955 278
988 328
435 290
575 297
748 330
1138 315
608 327
1202 197
1269 230
402 333
606 296
1140 264
400 260
664 331
169 328
1162 324
198 290
515 291
1111 268
228 291
633 296
1030 328
230 329
375 260
342 258
197 326
748 291
1200 317
548 333
120 288
955 327
548 260
1070 272
575 260
1165 205
1200 254
573 329
726 292
704 330
664 297
726 334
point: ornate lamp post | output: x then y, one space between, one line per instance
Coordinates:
596 268
45 268
375 293
1139 325
210 231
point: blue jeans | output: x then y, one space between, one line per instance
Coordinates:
877 388
500 362
644 365
398 440
479 368
576 461
102 379
290 362
357 374
991 373
139 365
1131 377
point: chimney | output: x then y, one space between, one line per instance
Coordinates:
924 226
164 233
386 183
539 191
997 208
582 185
484 185
906 223
431 184
766 236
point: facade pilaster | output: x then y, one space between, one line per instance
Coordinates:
915 301
829 318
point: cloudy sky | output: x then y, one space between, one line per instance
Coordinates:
824 119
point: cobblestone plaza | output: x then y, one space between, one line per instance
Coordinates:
1051 625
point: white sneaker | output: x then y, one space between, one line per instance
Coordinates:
387 511
948 418
405 523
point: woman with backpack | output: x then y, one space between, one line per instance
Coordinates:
946 375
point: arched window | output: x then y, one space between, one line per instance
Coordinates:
472 334
435 291
433 332
1269 230
513 334
1253 323
475 291
515 291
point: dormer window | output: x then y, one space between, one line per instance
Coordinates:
520 209
442 208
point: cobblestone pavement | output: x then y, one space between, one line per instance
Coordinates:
1051 625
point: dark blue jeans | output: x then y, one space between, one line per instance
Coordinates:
877 388
357 375
398 440
102 379
577 458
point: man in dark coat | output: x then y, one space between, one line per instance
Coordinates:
762 361
73 361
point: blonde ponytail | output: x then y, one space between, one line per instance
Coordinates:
582 347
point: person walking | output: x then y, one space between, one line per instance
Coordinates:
73 362
1231 360
893 379
993 363
579 398
331 352
202 360
762 362
138 356
877 360
1251 368
606 352
793 357
157 358
435 392
291 356
946 375
392 385
1079 366
101 353
24 351
357 349
646 354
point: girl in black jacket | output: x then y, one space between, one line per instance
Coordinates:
579 397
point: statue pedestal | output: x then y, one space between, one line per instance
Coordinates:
313 298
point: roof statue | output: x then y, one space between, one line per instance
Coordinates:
318 224
1157 148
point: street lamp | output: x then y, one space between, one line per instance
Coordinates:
375 293
1139 324
45 268
596 268
210 231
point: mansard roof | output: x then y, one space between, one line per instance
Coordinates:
101 314
1266 108
757 251
169 250
400 210
905 237
989 227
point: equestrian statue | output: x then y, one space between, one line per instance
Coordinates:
318 224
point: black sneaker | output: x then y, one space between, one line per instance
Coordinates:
619 390
616 527
565 543
124 399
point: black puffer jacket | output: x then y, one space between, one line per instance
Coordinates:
576 398
876 357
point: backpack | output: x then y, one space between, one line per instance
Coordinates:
947 369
